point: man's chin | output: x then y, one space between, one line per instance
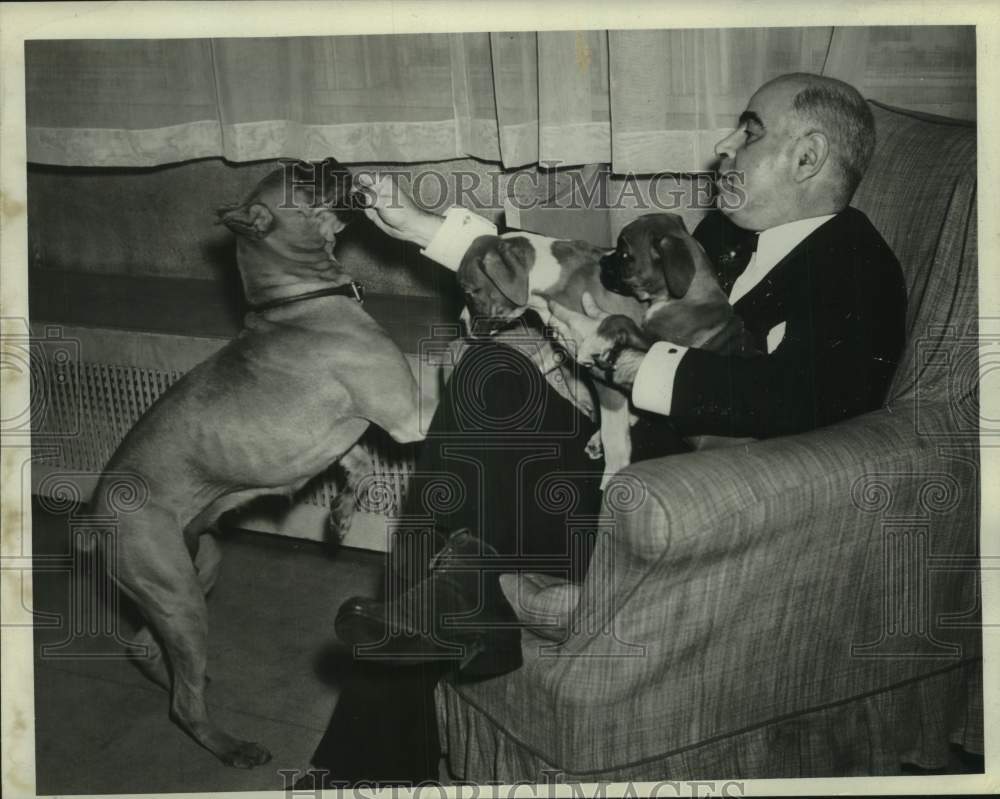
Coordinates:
732 214
736 215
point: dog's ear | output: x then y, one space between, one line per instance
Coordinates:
507 266
676 263
252 219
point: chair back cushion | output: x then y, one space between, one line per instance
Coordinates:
920 192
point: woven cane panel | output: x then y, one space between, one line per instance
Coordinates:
85 405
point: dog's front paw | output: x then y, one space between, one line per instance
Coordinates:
594 448
620 331
341 515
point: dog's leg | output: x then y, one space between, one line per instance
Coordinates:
207 561
156 571
594 448
615 433
413 426
356 463
153 665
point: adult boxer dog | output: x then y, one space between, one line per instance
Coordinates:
290 395
659 263
502 276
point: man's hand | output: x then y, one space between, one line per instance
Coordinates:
599 340
394 212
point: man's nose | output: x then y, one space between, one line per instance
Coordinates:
726 147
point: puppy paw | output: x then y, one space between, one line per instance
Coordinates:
621 331
341 515
594 448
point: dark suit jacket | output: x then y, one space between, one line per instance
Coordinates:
841 294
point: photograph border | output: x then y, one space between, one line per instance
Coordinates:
155 20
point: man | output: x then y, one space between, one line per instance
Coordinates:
822 296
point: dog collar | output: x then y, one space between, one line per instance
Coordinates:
353 289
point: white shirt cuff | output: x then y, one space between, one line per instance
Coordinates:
653 387
460 228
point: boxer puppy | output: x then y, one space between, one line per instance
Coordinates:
289 396
659 263
502 276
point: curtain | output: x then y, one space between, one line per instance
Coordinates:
644 101
673 110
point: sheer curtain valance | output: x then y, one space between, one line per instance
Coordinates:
645 101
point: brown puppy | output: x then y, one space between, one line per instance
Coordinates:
659 263
290 395
501 276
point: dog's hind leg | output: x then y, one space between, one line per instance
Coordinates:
207 561
149 659
152 664
156 570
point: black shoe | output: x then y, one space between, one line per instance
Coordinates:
457 613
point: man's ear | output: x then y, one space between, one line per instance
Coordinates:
507 266
254 220
677 265
811 152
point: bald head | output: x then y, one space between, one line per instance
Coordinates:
837 110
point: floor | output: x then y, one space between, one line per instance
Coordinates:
102 727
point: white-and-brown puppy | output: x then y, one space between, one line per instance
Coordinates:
502 276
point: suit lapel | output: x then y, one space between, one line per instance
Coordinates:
772 284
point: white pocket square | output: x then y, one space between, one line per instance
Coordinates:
775 336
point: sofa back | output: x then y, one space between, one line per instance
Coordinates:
920 192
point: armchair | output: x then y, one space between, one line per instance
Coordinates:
797 607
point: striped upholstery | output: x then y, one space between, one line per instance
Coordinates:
920 193
755 611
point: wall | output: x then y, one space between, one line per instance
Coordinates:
161 221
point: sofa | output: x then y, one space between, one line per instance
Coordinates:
797 607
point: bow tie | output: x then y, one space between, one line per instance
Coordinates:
733 260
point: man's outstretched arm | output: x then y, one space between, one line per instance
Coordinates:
442 238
